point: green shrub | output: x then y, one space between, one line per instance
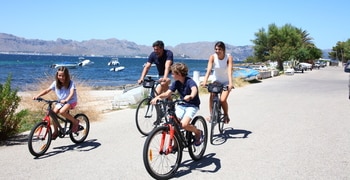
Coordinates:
9 119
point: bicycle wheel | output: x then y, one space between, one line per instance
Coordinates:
221 121
158 163
84 128
146 116
214 120
197 152
39 139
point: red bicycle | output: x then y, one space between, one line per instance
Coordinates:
163 148
40 136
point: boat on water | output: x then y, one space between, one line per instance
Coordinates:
84 62
117 68
114 62
69 65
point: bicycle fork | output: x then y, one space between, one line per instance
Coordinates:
166 149
47 120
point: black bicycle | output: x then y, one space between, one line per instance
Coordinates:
149 116
217 115
163 148
40 136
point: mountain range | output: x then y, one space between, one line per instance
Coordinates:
111 47
12 44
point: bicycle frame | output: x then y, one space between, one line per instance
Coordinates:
55 117
174 129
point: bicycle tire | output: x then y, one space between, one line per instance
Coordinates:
39 139
146 116
197 152
161 165
84 129
221 121
214 120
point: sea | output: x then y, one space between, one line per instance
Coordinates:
27 71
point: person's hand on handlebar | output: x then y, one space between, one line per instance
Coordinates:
155 100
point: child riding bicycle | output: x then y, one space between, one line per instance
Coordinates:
188 91
66 93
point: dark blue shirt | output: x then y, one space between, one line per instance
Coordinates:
185 89
160 62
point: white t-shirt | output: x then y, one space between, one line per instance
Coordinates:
63 93
220 69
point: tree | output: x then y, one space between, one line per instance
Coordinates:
282 44
341 51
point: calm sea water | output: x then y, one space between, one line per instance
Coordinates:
28 70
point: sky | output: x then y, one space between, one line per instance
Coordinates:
174 21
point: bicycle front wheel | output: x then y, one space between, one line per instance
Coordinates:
197 152
214 120
83 131
39 139
146 116
158 161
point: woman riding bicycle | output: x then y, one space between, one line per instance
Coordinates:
66 93
188 91
222 64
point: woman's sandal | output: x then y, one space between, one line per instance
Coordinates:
226 119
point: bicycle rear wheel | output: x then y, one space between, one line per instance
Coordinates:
197 152
221 121
39 139
159 163
214 120
84 128
146 116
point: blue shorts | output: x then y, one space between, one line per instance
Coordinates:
185 111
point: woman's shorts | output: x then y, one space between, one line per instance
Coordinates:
185 111
60 105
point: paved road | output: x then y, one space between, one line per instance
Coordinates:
287 127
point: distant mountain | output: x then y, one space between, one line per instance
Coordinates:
112 47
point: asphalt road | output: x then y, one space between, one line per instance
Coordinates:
287 127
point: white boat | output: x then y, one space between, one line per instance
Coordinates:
84 62
70 65
117 68
114 62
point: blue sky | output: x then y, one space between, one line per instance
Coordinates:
173 21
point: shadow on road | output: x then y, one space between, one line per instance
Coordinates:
84 146
208 163
230 133
15 140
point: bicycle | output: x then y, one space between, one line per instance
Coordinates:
149 116
163 148
40 136
217 115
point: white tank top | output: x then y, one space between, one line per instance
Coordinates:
220 69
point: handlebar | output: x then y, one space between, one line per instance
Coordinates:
46 101
224 88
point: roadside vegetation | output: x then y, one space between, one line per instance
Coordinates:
10 120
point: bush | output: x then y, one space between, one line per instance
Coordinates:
9 119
